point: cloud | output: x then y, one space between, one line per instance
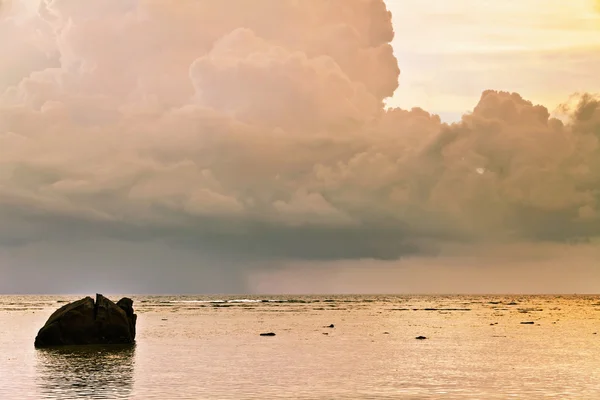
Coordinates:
485 270
258 129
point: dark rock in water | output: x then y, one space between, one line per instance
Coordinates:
421 337
267 334
329 326
87 322
527 323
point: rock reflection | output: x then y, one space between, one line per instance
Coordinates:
99 372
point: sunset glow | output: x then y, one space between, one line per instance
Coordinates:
544 50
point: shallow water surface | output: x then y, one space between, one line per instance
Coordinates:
203 347
85 371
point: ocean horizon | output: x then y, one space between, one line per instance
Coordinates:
209 347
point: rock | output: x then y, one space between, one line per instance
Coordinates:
329 326
267 334
87 322
527 323
421 338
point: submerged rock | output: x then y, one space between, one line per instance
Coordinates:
87 322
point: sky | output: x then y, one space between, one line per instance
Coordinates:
545 50
284 146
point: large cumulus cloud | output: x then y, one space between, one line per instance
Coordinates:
258 128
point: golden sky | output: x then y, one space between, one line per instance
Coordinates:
233 140
543 49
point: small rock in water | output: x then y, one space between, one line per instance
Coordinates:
421 338
329 326
267 334
527 323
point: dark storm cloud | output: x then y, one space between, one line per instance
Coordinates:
257 130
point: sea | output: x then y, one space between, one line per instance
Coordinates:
209 347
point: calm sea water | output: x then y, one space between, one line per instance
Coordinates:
198 347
